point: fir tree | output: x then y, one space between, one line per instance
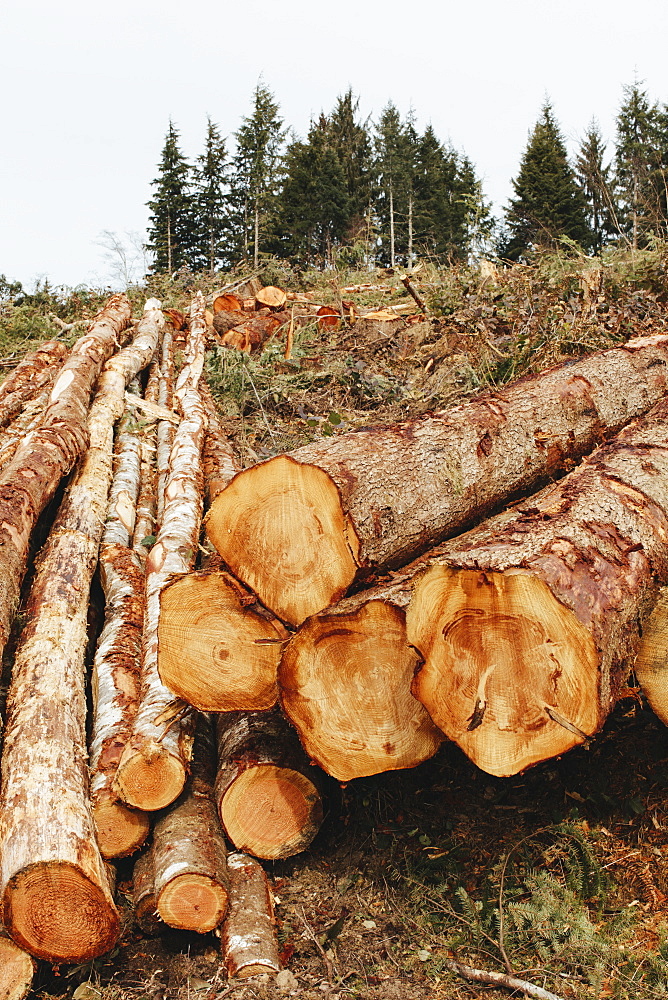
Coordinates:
548 202
351 141
257 171
172 220
394 169
314 211
640 165
211 201
596 183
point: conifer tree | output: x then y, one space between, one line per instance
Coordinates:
172 220
211 201
256 174
641 159
596 183
352 143
548 202
314 207
394 169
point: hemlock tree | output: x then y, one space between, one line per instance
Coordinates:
314 207
257 171
548 202
172 222
596 183
641 159
211 201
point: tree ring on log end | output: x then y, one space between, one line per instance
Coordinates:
149 779
281 529
56 913
271 812
120 831
192 902
503 661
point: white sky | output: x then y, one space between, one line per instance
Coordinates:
88 89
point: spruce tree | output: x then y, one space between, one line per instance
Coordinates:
594 178
394 170
211 202
314 207
352 143
548 202
256 173
172 220
641 159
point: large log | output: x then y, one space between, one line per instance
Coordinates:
189 855
345 685
23 425
56 897
29 370
248 936
296 529
266 791
153 768
29 480
529 625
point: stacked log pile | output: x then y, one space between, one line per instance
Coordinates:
370 595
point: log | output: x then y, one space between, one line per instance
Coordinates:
47 357
143 895
115 683
153 767
12 404
23 425
189 855
218 649
56 898
266 791
329 318
248 939
651 664
146 511
297 529
30 479
220 462
345 685
165 432
226 303
17 969
250 335
271 296
528 625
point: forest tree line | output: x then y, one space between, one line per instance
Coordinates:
383 192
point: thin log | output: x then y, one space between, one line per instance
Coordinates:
145 525
56 897
165 433
266 790
190 870
529 625
115 683
17 969
345 685
297 529
153 768
248 939
220 462
49 355
30 479
143 895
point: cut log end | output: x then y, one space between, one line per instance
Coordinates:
150 778
509 674
651 665
346 686
120 831
281 529
271 812
192 903
215 652
17 969
56 913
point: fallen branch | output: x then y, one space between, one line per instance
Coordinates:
501 979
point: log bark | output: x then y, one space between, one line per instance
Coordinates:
17 969
248 938
56 897
28 371
115 682
153 768
165 432
143 895
29 480
529 625
266 791
12 404
218 649
297 529
345 685
144 528
220 462
22 426
189 855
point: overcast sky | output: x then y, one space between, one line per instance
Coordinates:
88 90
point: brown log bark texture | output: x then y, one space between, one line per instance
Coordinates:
248 941
219 460
28 371
143 895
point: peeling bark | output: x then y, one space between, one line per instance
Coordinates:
299 529
248 939
220 462
29 370
145 525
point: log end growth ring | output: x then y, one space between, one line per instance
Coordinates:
193 902
510 674
56 913
120 831
271 812
213 652
150 778
345 684
281 529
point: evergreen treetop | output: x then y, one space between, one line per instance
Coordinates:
172 222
